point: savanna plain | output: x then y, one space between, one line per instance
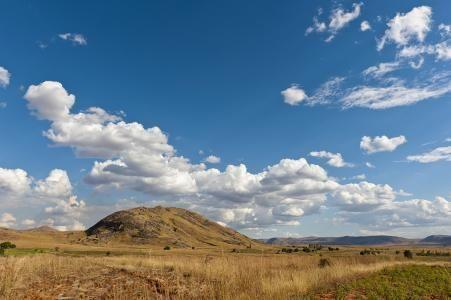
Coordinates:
45 266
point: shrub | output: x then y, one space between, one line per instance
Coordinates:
108 253
324 262
408 254
2 252
167 248
7 245
397 252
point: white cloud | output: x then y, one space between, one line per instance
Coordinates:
395 94
359 177
56 185
293 95
328 91
415 213
369 165
381 143
49 100
28 222
3 104
5 77
438 154
443 51
445 30
7 220
340 18
364 26
363 196
75 38
19 190
334 159
404 28
317 27
381 69
132 157
212 159
14 182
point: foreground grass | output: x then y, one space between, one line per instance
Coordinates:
402 282
181 276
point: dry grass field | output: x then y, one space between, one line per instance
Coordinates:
75 273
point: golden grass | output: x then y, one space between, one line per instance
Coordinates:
177 276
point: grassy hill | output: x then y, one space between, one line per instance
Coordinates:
170 226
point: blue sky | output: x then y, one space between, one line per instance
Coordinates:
279 97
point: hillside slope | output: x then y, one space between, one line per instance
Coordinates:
171 226
437 239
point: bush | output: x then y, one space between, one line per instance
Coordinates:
2 252
408 254
397 252
324 262
167 248
7 245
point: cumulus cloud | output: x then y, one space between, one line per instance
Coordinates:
364 26
415 213
369 165
5 77
76 38
18 189
7 220
132 157
212 159
339 18
334 159
381 143
363 196
28 222
14 182
293 95
438 154
411 26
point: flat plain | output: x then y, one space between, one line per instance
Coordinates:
54 265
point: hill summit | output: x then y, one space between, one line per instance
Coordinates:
159 225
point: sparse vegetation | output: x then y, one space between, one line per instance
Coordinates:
406 282
408 254
167 248
432 253
7 245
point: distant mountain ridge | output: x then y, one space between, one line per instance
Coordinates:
360 240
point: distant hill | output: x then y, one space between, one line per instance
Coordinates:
437 240
343 240
171 226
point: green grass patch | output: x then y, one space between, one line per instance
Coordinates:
406 282
26 251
